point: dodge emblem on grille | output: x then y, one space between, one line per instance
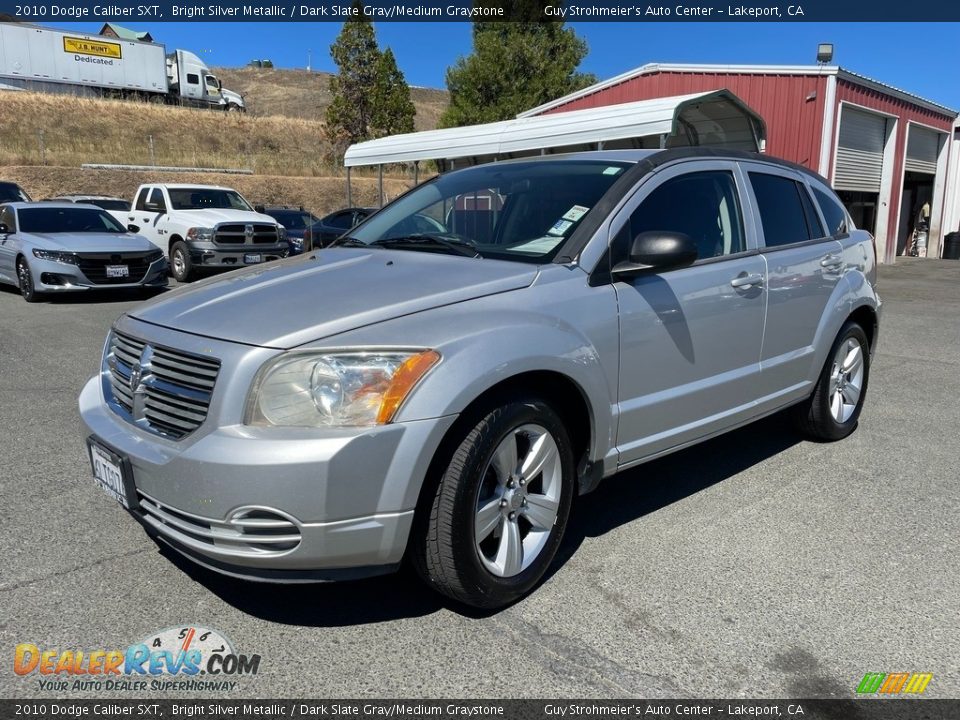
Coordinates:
135 374
248 232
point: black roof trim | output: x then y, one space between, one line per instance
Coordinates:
688 153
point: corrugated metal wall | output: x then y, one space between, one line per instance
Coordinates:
905 112
793 121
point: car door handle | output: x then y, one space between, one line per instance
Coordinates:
831 261
745 281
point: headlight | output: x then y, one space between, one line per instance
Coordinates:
56 255
296 243
282 231
200 234
317 389
154 256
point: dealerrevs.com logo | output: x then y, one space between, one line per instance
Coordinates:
180 658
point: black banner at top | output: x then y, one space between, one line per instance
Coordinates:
60 11
413 709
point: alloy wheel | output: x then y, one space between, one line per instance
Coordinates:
519 500
846 380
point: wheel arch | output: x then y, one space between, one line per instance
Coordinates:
866 317
558 390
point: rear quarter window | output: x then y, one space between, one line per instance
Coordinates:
833 212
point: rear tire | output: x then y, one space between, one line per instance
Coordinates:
832 411
181 266
25 282
501 507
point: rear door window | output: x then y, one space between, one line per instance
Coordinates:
781 209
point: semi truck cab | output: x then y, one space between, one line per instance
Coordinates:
190 77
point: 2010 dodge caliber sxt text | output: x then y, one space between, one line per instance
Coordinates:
491 344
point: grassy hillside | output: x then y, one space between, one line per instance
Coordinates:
62 130
282 134
317 194
306 95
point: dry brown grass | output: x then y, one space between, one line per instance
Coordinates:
83 130
306 95
317 194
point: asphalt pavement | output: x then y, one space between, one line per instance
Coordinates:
754 565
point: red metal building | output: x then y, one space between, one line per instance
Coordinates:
883 149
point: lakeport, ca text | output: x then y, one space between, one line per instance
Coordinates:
640 12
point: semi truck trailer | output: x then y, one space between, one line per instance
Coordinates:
48 60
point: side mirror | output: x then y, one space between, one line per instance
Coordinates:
153 207
133 228
654 251
258 208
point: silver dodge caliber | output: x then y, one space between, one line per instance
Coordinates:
493 343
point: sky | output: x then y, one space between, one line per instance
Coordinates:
917 57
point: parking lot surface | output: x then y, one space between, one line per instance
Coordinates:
754 565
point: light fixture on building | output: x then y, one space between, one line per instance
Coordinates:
824 52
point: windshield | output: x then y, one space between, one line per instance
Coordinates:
12 193
521 211
207 199
110 204
67 220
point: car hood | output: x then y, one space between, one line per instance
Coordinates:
213 216
291 302
90 242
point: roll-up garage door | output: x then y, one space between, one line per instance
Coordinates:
860 151
923 146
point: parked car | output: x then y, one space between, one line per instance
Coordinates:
608 308
11 192
50 248
296 221
118 207
332 226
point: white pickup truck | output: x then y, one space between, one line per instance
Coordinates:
204 226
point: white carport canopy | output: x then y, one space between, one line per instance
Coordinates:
718 118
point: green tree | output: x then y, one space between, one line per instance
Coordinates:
393 110
357 57
514 66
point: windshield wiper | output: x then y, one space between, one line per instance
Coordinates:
347 241
415 242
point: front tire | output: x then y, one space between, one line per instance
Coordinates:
181 267
501 507
25 281
833 410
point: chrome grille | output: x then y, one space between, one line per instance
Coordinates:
163 390
94 266
248 531
246 234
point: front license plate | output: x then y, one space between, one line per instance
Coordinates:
108 472
250 258
118 271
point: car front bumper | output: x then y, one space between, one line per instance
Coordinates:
50 276
340 502
212 255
